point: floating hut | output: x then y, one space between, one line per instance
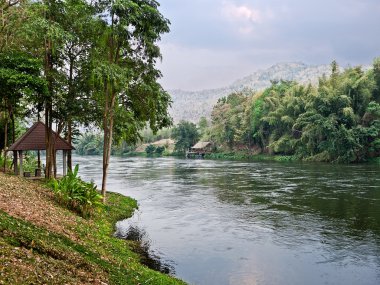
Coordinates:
199 150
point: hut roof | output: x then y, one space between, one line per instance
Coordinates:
34 139
201 145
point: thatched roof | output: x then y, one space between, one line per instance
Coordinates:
34 139
201 145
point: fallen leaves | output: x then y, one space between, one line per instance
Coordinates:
33 202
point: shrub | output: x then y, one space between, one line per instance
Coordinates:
160 150
150 149
76 194
9 162
30 162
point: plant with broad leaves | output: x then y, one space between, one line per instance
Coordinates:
76 194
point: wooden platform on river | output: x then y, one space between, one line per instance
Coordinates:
199 150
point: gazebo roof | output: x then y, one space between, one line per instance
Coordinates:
34 139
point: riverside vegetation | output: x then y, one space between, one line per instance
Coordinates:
42 242
337 120
78 62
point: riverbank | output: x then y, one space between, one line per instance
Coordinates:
44 243
242 156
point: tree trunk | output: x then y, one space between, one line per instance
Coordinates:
38 159
71 95
59 130
5 144
49 142
108 132
110 97
48 66
13 128
55 163
38 152
69 139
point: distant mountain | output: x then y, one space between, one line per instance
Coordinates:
191 106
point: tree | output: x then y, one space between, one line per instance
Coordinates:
63 34
336 121
203 125
125 72
73 102
19 78
376 76
12 16
186 135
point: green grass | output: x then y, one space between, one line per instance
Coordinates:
375 160
241 155
33 255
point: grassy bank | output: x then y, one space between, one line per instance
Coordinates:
241 155
245 156
44 243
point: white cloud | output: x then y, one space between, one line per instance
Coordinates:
241 13
213 42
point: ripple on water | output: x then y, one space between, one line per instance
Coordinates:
219 222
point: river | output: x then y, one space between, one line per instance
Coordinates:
223 222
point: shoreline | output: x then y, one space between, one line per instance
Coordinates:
42 242
244 156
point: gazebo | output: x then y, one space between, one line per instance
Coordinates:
35 139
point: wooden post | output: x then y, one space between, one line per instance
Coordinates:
15 162
64 162
21 160
38 159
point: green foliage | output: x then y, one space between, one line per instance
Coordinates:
91 247
147 135
336 121
9 162
186 135
153 150
30 162
160 150
20 83
89 144
76 194
228 120
203 127
150 149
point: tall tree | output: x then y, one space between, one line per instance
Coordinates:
13 13
126 72
74 103
19 78
186 135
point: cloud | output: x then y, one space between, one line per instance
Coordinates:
244 18
241 13
213 42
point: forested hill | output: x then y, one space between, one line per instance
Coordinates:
191 106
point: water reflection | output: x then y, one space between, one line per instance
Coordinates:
254 223
142 245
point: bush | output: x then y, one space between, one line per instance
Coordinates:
30 162
9 162
77 194
150 149
160 150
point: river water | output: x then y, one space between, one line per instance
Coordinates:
223 222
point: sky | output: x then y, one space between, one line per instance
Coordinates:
214 42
